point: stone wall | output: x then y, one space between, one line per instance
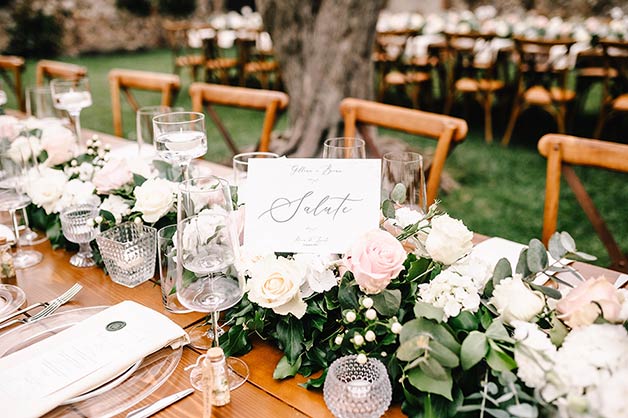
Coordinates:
99 26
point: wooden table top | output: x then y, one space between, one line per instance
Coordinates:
261 396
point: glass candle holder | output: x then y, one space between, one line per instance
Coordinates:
77 223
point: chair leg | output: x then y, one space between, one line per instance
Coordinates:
597 134
560 118
516 109
488 126
415 93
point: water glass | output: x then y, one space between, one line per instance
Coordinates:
168 269
144 122
241 170
129 251
403 180
39 103
77 223
72 96
344 148
354 390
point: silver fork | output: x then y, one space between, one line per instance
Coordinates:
50 308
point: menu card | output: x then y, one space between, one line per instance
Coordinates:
39 377
310 205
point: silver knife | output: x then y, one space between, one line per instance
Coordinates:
155 407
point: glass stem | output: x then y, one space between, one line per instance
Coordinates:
84 249
184 170
215 342
77 127
16 230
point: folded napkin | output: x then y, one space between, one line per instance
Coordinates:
37 378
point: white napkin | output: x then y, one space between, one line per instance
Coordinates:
37 378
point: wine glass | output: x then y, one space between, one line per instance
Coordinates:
403 180
72 96
180 137
241 168
40 104
144 123
77 224
344 148
207 249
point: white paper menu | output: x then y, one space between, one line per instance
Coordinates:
310 205
39 377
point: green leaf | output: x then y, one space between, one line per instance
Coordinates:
498 360
348 296
547 291
398 193
429 311
497 413
558 332
502 270
537 256
285 369
417 268
444 355
522 263
555 246
436 331
387 302
290 336
497 332
424 383
432 368
388 209
138 179
473 349
568 242
583 256
464 321
412 348
235 341
316 383
523 410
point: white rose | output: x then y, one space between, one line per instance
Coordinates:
59 142
275 284
154 198
515 301
141 167
117 206
86 171
23 148
47 188
317 270
77 192
448 240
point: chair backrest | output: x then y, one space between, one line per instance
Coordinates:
563 151
15 65
270 101
124 80
615 64
538 58
48 70
448 131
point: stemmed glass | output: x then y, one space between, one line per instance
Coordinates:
180 137
403 180
78 227
344 148
72 96
207 249
39 103
144 123
241 168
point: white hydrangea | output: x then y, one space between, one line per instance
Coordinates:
610 399
534 353
451 292
85 171
478 269
117 206
77 192
318 269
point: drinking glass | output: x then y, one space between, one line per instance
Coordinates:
144 123
167 250
72 96
39 103
354 390
344 148
403 180
12 202
180 137
77 223
241 169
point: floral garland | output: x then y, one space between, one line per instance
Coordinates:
457 338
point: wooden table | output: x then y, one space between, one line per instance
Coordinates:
261 396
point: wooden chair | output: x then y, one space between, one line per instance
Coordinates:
257 64
541 81
11 69
124 80
271 102
468 75
48 70
448 131
184 55
218 66
615 90
562 152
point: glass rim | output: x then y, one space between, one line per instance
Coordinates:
199 117
64 81
360 142
237 158
80 206
415 157
148 110
38 89
163 228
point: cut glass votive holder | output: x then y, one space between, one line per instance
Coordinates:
129 253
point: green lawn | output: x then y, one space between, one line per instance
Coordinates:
501 189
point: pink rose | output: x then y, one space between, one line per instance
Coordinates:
59 143
113 175
375 260
582 305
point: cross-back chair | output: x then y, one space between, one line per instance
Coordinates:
446 130
615 90
11 69
563 152
204 95
186 42
542 76
48 70
124 80
473 72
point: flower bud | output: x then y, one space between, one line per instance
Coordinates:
371 315
396 327
367 302
361 359
369 336
338 340
358 339
350 316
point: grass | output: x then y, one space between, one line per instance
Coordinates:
501 190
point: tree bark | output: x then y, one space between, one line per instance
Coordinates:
324 51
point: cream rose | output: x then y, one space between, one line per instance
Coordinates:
113 175
275 284
77 192
582 304
46 189
375 259
154 198
59 142
448 240
23 148
515 301
117 206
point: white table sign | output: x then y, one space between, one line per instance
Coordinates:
310 205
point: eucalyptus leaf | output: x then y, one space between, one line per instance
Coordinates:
465 320
429 311
412 348
568 242
399 193
498 360
387 302
497 332
537 259
555 246
502 270
497 413
547 291
522 263
444 355
424 383
473 349
285 369
558 332
523 410
436 331
584 256
388 209
433 369
138 180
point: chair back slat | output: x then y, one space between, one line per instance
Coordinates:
48 70
15 66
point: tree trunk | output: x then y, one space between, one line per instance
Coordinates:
324 51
